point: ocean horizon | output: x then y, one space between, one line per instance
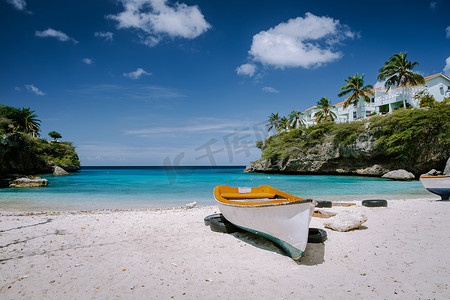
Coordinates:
140 187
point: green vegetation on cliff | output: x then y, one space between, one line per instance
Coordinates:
60 153
407 133
414 139
22 152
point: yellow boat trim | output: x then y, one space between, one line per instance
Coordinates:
437 176
262 195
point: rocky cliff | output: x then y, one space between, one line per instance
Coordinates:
21 154
414 140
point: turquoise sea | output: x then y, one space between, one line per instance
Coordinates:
158 187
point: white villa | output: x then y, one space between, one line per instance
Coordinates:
382 101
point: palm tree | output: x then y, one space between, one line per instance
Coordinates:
296 119
274 122
355 86
284 124
398 71
26 120
325 113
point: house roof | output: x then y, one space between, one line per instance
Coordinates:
340 103
313 107
435 75
427 78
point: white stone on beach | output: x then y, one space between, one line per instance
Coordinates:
191 205
346 221
399 175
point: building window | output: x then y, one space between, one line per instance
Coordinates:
354 115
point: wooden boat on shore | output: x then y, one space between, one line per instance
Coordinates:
439 185
270 213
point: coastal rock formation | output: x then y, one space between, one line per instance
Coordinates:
412 140
447 167
59 171
22 154
17 156
258 166
375 170
330 157
399 175
433 172
25 182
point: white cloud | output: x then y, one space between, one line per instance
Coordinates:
301 42
269 89
87 61
18 4
136 74
32 89
447 30
200 125
447 66
246 69
108 36
433 5
132 92
155 18
59 35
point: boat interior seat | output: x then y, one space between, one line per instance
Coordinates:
249 195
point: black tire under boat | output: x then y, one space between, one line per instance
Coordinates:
220 224
317 235
208 218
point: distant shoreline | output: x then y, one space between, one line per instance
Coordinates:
162 167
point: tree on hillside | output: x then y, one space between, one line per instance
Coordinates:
325 113
20 119
398 71
28 121
356 88
273 122
296 119
284 124
427 100
54 135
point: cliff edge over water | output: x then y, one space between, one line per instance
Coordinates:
415 140
22 154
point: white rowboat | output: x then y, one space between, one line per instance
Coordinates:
268 212
439 185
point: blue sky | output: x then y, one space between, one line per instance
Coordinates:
154 82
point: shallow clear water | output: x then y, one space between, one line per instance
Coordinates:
150 187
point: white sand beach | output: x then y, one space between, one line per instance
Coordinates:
401 252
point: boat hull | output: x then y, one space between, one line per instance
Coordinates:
439 185
284 223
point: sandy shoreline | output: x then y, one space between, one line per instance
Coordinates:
400 253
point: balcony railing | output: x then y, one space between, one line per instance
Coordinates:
396 96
